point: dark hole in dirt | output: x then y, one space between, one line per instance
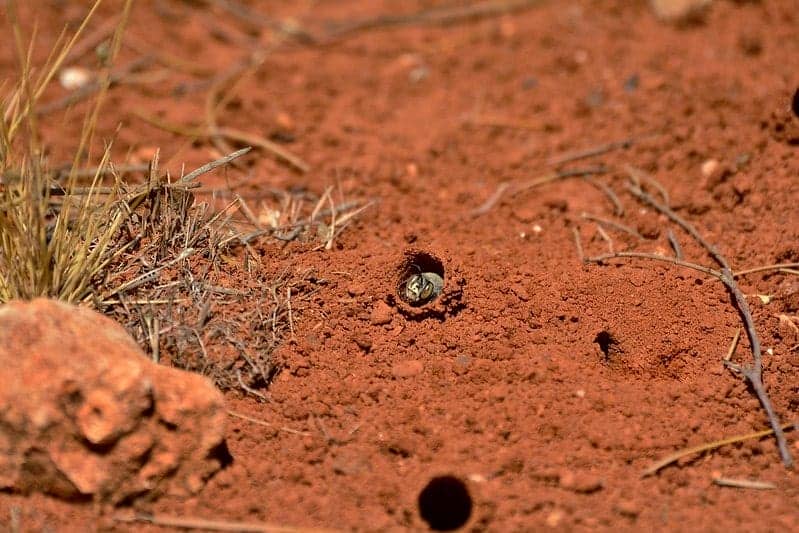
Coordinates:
419 264
606 342
795 103
445 503
221 453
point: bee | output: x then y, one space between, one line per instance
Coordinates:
422 287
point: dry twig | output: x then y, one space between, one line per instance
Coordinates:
743 483
602 149
753 372
209 525
674 457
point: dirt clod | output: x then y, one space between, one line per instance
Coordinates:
381 314
407 369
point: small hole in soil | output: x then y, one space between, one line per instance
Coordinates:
221 453
421 279
605 341
445 503
795 103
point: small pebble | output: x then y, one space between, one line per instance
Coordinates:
72 78
679 10
381 314
555 518
579 482
709 167
356 289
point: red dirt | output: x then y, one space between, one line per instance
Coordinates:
505 384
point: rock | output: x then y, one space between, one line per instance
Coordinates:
407 369
363 342
356 288
580 482
381 314
679 10
710 167
628 508
85 415
649 228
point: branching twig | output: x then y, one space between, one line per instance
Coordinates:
675 244
754 372
612 224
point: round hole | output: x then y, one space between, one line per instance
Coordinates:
421 279
445 503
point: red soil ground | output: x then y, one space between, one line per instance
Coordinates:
503 382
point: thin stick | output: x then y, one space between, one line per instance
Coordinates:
266 145
267 424
288 305
655 257
249 389
733 345
754 372
743 483
605 237
590 152
516 188
612 224
493 199
210 525
766 268
637 175
228 133
91 40
578 244
208 167
684 224
675 244
556 176
295 228
618 208
674 457
445 15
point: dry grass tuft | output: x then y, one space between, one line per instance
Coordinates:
184 279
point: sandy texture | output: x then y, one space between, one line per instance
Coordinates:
545 384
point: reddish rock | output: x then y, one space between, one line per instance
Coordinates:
381 314
83 413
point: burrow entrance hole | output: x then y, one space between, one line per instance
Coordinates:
417 263
445 503
607 343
